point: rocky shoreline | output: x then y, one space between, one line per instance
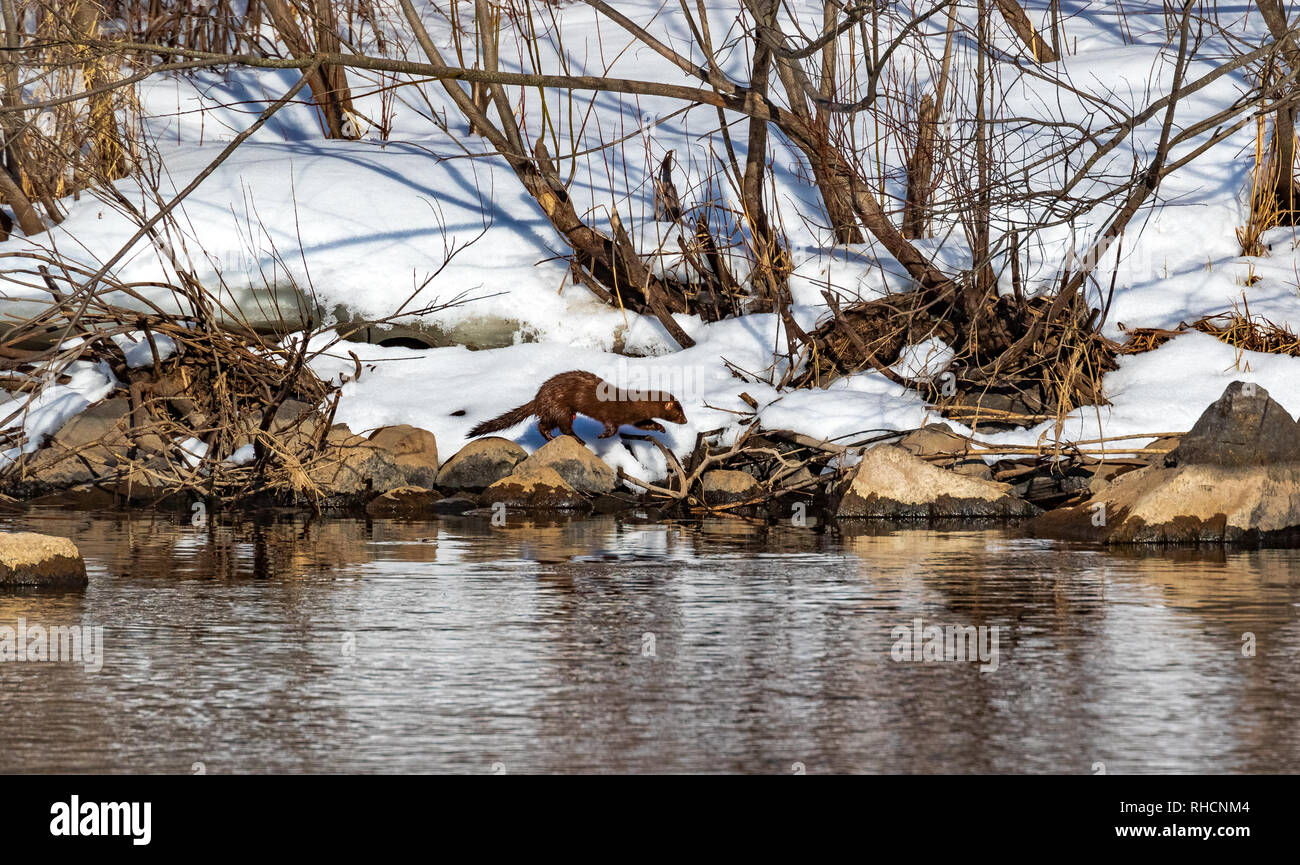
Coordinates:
1234 478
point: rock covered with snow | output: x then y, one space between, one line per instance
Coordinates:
889 482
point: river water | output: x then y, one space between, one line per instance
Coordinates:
283 644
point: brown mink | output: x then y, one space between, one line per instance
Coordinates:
563 397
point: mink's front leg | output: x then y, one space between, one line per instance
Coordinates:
610 429
650 425
566 427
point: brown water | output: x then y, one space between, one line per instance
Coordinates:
598 646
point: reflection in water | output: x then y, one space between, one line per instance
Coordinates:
286 645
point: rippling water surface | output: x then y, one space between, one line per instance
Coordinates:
339 645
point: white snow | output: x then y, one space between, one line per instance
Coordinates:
137 351
53 406
924 361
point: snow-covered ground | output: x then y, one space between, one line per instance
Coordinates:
357 225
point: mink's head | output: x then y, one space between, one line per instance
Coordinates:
671 410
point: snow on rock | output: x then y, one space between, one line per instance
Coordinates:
54 406
924 361
136 350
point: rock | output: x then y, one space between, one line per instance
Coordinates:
402 501
288 412
580 468
536 488
802 479
340 434
54 468
1244 427
1105 474
614 504
145 482
414 450
86 448
351 465
104 433
891 483
1234 478
724 486
938 438
1167 443
1186 505
297 424
453 505
99 432
29 559
81 497
480 464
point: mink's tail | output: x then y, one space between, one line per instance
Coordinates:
505 421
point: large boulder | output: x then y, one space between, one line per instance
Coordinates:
55 468
105 432
580 468
144 482
414 450
87 448
891 483
351 465
1235 477
533 488
480 464
31 560
939 438
1186 505
98 433
726 486
1243 427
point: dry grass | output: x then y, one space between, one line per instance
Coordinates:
1264 212
1238 327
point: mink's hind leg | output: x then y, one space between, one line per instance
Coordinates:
545 429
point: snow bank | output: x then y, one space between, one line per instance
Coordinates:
358 225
